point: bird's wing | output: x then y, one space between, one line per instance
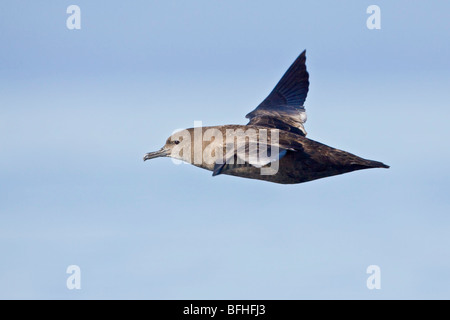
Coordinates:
249 151
283 108
249 155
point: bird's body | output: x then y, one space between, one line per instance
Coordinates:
305 159
272 146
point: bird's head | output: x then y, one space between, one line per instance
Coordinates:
175 147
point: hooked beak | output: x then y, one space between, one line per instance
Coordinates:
160 153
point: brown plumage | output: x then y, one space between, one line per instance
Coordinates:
276 125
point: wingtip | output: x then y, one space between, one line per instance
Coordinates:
303 54
217 170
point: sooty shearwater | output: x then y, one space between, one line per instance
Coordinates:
272 146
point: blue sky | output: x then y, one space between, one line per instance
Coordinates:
79 108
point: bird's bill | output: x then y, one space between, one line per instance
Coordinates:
160 153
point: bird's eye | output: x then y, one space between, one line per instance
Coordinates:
176 142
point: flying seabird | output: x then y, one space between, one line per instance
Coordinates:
272 146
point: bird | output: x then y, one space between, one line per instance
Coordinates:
272 146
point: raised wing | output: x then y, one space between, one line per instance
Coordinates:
283 108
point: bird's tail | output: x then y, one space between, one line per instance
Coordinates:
375 164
